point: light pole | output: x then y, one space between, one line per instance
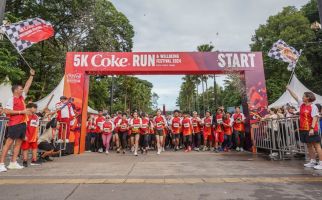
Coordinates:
2 10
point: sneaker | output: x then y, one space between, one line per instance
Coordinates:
118 150
14 165
25 164
237 149
159 152
100 150
311 164
216 150
186 150
135 153
241 149
106 152
319 166
35 163
163 150
3 168
47 159
189 148
123 151
204 148
132 149
197 149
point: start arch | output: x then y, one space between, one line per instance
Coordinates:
79 65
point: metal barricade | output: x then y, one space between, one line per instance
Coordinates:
3 126
280 136
61 137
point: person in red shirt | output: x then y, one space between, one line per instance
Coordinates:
99 131
159 124
238 120
116 139
152 139
123 128
135 125
65 114
228 130
218 130
17 112
196 125
144 138
175 126
207 130
108 127
309 116
31 138
187 131
91 128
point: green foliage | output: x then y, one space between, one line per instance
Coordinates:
80 25
293 26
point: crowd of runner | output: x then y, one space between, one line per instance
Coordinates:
220 132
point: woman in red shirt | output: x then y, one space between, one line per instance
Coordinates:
309 116
207 133
108 127
218 130
228 130
159 124
187 131
123 128
135 126
196 125
175 126
144 138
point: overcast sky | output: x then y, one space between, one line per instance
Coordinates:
182 25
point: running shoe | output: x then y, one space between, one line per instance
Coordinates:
14 165
100 150
35 163
25 164
204 148
319 166
135 153
3 168
237 149
123 151
311 164
241 149
106 152
217 150
159 152
118 150
163 150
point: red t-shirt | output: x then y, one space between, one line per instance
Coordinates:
227 129
145 125
123 125
99 123
175 125
16 104
219 128
186 126
307 112
238 126
108 127
136 125
32 128
159 121
207 125
196 125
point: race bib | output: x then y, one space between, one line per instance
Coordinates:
219 121
144 125
176 125
159 124
34 123
107 130
186 125
100 125
194 124
207 125
136 126
123 127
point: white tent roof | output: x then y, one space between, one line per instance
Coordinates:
299 89
57 92
5 92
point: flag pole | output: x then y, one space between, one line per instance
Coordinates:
19 52
293 71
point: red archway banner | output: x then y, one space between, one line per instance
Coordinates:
79 65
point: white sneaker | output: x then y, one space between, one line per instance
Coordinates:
14 165
163 150
204 148
106 151
135 153
319 166
100 150
132 149
3 168
237 149
159 151
67 140
311 164
241 149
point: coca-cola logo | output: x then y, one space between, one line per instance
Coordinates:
74 78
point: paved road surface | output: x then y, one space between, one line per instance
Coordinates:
179 175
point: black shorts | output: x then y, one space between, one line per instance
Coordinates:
306 138
176 136
159 132
46 146
17 131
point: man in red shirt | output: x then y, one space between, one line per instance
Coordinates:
31 138
175 125
16 111
100 120
238 120
65 114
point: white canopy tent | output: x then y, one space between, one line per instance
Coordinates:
57 92
299 89
5 94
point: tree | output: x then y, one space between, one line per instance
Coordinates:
293 26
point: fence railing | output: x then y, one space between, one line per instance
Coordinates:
281 136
